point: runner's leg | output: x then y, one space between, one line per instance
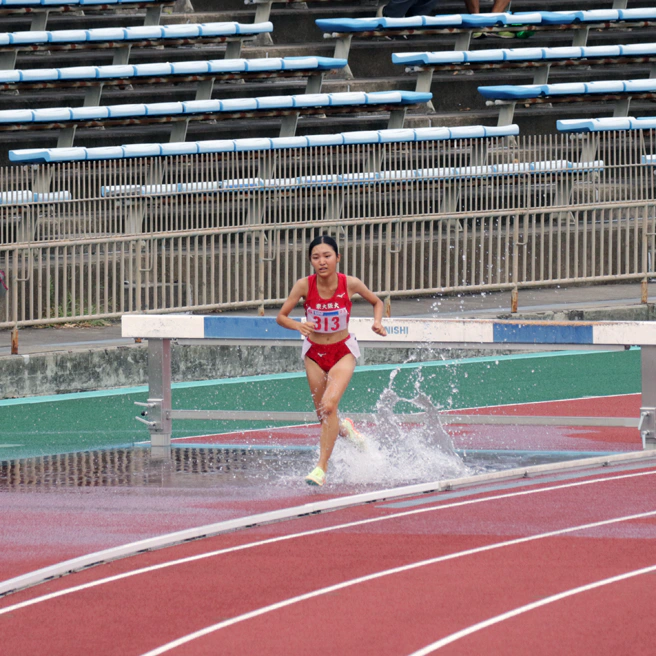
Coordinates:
338 379
317 380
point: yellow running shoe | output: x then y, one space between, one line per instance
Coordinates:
316 477
353 435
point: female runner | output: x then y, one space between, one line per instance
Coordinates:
329 351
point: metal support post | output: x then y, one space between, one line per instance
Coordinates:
463 40
205 89
158 407
424 82
8 60
92 95
121 55
589 149
647 425
396 119
622 108
506 113
288 125
262 12
342 49
179 131
580 39
233 49
39 21
66 137
153 16
314 83
541 75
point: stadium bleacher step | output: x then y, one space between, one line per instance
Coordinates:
295 34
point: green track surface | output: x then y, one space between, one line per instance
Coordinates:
91 420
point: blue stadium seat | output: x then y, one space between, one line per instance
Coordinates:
146 35
39 10
462 25
606 124
396 102
27 196
620 91
523 54
44 155
354 179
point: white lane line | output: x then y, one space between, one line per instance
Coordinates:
524 609
381 574
336 503
292 536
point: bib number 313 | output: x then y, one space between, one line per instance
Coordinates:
328 322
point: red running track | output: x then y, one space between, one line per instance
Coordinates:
559 564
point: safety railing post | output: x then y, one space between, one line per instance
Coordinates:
647 425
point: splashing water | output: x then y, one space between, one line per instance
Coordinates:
399 450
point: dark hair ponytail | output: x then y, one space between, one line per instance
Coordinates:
323 239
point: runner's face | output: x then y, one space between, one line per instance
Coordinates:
324 260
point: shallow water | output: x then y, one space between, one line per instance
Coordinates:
379 466
395 453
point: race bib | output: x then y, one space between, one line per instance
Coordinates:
328 321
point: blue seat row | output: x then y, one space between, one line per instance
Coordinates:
474 21
609 124
21 117
26 196
352 179
42 155
59 3
523 54
528 91
128 34
164 69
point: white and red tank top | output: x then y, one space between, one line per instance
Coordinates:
328 315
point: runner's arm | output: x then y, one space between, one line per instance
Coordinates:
356 286
299 290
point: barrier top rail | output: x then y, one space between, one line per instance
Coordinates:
401 332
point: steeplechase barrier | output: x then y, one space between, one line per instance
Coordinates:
160 330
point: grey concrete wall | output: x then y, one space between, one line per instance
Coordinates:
92 369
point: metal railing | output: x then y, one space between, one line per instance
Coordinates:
253 266
218 190
191 244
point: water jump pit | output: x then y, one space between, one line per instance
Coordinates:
397 451
92 440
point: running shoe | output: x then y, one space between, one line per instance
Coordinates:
316 477
352 434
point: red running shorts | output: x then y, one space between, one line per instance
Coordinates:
328 355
